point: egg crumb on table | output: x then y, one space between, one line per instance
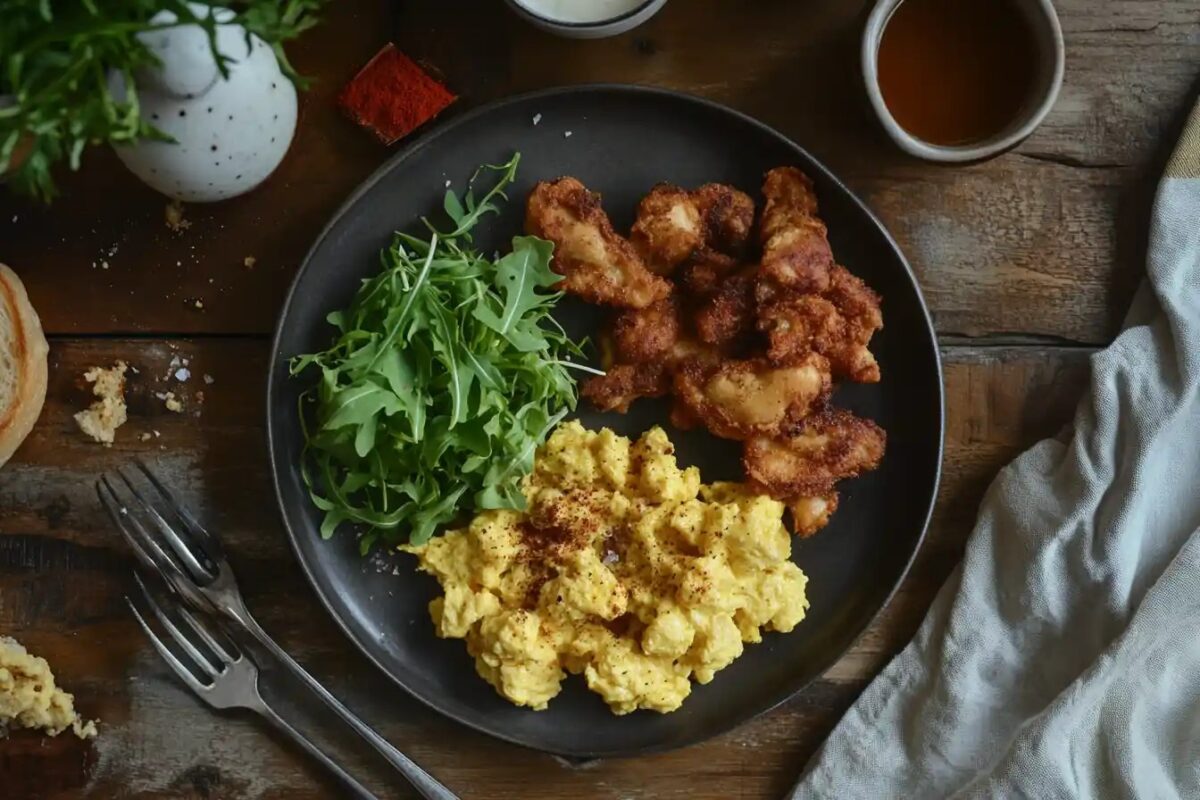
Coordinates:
624 569
101 420
30 697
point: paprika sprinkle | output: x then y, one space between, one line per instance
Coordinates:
392 96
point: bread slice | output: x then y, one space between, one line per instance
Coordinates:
23 364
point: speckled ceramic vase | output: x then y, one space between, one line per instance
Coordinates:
230 132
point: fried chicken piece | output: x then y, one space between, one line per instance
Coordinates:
660 355
598 265
728 217
796 251
642 335
740 399
705 272
727 316
681 417
859 305
838 323
668 230
810 514
821 450
623 383
796 323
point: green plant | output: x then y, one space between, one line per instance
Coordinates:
54 63
446 372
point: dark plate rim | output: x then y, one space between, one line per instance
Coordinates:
741 716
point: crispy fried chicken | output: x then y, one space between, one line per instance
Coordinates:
796 252
598 265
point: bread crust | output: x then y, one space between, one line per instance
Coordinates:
29 352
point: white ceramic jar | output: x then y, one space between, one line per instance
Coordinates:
230 132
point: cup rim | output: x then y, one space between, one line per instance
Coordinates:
955 154
600 23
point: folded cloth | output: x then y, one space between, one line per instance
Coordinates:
1062 658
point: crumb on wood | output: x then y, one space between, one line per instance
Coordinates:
174 217
102 418
170 401
249 261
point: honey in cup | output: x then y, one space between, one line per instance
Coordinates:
957 72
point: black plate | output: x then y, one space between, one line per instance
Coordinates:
622 141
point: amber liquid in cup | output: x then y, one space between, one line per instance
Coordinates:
957 72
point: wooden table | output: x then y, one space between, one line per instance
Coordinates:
1027 261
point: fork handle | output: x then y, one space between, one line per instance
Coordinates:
425 784
282 725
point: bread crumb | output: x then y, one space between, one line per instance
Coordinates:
208 379
30 697
174 217
170 401
144 437
249 261
101 420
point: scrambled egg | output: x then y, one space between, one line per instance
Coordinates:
30 698
624 568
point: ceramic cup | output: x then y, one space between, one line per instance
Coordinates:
1051 56
590 30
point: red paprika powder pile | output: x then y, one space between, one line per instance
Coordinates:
392 96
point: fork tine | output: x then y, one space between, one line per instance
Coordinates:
202 661
209 543
210 640
178 545
175 664
144 545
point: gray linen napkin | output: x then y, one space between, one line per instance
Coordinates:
1062 658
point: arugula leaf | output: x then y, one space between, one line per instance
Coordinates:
444 375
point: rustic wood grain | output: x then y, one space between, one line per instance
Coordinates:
63 572
1024 243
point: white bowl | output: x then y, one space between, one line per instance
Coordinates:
1052 63
590 30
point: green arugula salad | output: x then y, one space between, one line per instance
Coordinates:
445 374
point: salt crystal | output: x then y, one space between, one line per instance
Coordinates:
447 184
182 374
537 118
208 379
566 134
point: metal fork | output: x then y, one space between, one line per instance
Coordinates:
194 564
226 679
